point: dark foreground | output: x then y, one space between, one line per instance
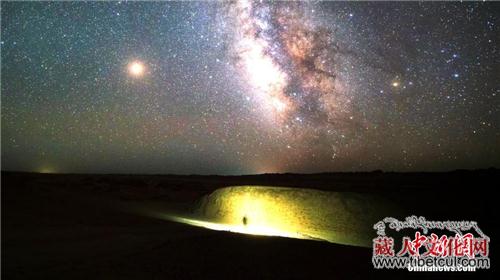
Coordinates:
92 226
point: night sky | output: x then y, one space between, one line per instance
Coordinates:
249 87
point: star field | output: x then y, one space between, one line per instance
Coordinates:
249 87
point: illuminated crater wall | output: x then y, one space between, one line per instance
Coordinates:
345 218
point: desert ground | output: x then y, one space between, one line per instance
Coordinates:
75 226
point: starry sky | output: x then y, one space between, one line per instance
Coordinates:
249 87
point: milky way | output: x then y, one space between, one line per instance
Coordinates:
249 87
289 61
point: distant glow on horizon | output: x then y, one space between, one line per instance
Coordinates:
46 170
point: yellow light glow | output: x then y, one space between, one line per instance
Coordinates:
258 211
343 218
250 229
395 84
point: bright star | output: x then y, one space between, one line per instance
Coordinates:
136 68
